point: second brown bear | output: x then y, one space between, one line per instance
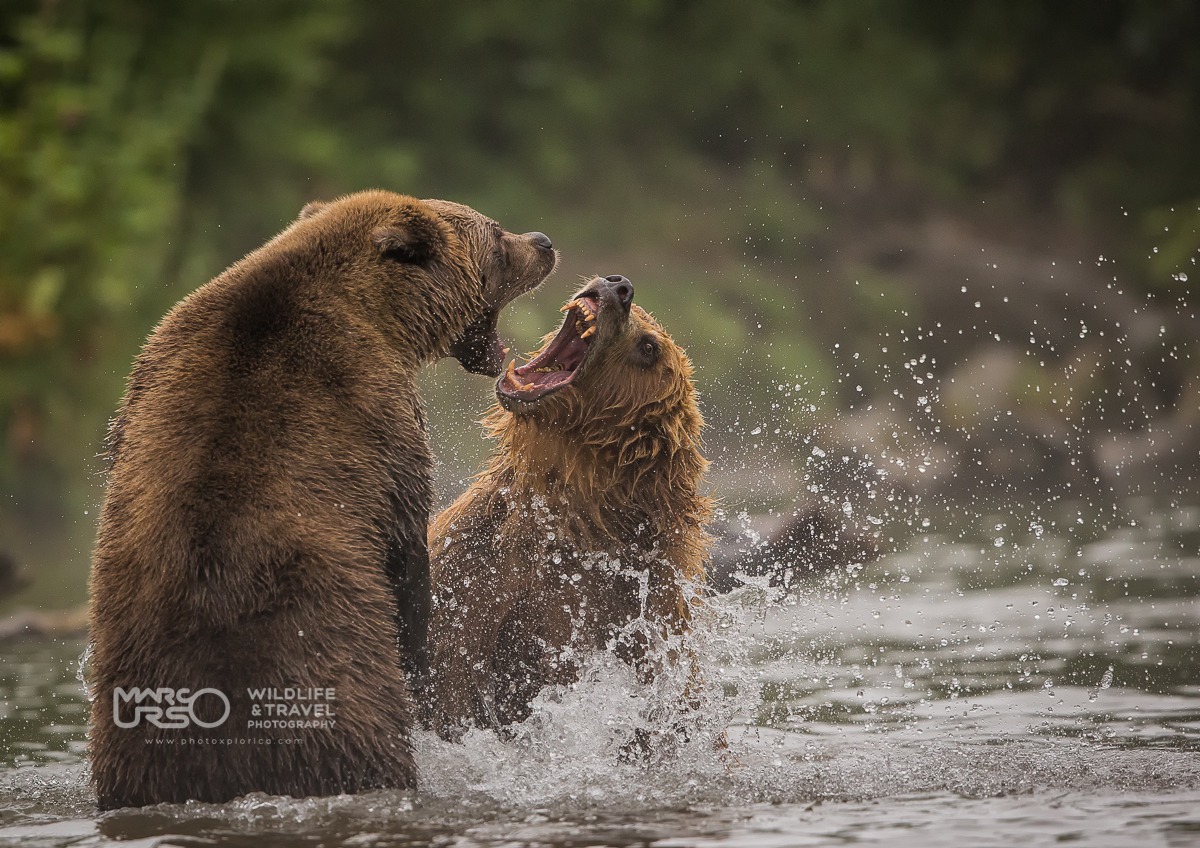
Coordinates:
588 519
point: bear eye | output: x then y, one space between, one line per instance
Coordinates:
500 255
647 350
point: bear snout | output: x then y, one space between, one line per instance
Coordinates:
616 288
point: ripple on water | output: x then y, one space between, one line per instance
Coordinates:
492 792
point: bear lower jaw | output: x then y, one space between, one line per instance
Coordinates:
479 349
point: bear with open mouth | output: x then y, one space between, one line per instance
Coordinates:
589 517
266 512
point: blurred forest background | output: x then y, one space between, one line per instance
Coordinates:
952 240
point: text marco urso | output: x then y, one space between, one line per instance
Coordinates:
283 708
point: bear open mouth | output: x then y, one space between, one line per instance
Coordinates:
556 366
479 348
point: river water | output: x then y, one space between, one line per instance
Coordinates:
1014 680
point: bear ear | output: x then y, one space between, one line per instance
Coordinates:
415 236
311 209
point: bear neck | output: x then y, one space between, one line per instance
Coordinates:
423 319
607 478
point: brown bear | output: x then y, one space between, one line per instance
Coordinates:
260 572
589 516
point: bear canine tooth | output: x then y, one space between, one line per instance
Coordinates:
589 331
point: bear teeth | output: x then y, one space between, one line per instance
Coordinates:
585 311
585 318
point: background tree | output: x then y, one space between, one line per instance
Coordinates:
790 184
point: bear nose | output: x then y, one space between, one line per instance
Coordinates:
621 287
540 240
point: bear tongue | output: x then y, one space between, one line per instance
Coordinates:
534 384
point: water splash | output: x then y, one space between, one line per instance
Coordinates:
610 738
1105 682
82 670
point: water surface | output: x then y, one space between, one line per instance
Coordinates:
1028 679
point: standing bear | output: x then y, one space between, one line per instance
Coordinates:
585 532
260 580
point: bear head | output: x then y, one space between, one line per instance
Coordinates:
436 273
609 368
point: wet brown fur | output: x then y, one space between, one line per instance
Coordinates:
267 502
612 468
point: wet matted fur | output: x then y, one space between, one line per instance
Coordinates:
265 519
589 516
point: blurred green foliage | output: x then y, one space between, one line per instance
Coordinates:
106 107
146 145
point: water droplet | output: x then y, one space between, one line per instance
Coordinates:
1105 682
83 669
